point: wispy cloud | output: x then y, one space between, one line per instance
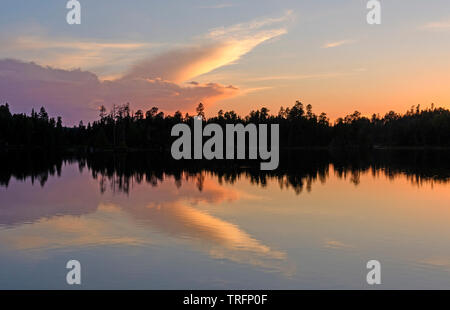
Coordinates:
244 30
250 90
336 244
299 76
337 43
103 57
439 25
437 262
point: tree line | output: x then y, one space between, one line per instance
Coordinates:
121 128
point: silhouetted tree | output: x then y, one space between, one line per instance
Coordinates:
200 110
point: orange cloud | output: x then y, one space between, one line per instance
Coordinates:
220 47
337 43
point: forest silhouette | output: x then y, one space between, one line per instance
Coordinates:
122 129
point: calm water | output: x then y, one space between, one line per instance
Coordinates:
137 223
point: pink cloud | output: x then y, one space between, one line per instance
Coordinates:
76 95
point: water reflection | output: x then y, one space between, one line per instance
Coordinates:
120 172
298 169
51 203
65 212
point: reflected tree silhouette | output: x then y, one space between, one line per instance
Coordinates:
298 169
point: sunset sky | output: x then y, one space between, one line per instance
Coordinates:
229 54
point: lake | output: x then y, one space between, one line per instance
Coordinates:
140 221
